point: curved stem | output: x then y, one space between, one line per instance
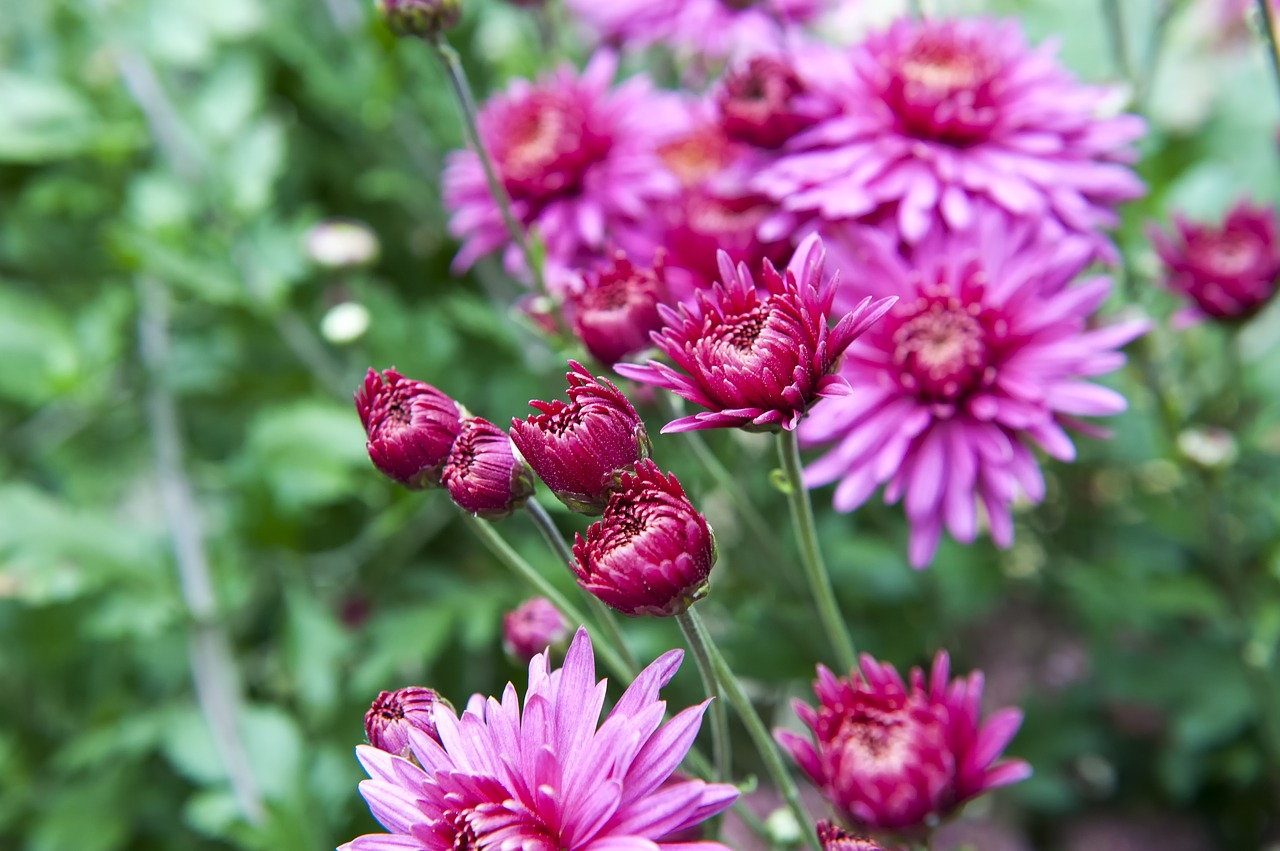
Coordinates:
512 559
811 553
756 729
605 616
1270 35
696 639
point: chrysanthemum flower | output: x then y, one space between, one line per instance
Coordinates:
937 113
1231 271
394 713
615 307
411 427
892 756
483 473
986 354
580 448
757 360
834 838
765 101
532 627
578 157
651 552
546 779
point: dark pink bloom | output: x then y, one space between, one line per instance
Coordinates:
616 307
579 449
410 424
936 114
757 360
834 838
483 473
706 222
532 627
764 102
893 756
1230 271
579 159
545 778
987 353
395 713
652 552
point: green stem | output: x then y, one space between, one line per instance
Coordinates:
507 555
756 730
1155 48
605 617
696 640
1118 38
1269 33
811 553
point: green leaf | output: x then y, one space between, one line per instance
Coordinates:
41 120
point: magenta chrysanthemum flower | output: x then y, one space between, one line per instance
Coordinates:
891 756
986 353
546 779
835 838
411 427
937 113
483 473
1231 271
766 101
616 307
532 627
579 449
651 553
757 360
578 158
394 713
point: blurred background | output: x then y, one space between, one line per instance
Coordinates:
196 551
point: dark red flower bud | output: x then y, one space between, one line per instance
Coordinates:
835 838
580 448
532 627
411 427
483 473
420 18
652 552
616 307
395 713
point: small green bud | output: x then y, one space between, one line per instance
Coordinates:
420 18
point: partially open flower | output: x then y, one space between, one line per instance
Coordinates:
893 756
483 473
835 838
616 307
395 713
757 361
532 627
411 427
420 18
652 552
580 448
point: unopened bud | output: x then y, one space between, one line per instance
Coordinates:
420 18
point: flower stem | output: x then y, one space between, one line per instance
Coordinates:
1272 38
756 729
605 616
507 555
696 640
1118 37
811 553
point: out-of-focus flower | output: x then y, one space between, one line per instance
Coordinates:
579 449
1230 271
835 838
616 306
757 361
532 627
651 553
545 778
483 473
411 427
395 713
937 113
1210 448
707 222
891 756
764 102
579 160
345 322
340 243
987 352
420 18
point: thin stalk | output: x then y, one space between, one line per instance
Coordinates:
811 553
1118 38
756 730
1155 48
720 752
605 616
507 555
1270 35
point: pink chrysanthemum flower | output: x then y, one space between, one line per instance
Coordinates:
545 778
835 838
715 29
757 360
533 626
1230 271
578 157
411 426
892 755
394 713
937 113
986 354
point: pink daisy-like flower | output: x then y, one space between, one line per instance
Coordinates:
532 627
938 113
579 160
986 353
546 778
757 360
893 756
